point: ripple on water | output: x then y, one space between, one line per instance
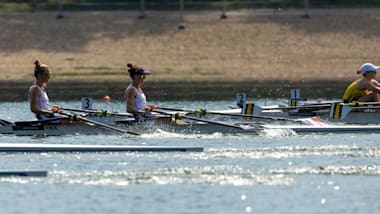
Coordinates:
288 152
372 170
211 175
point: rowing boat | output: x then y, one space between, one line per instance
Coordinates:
195 128
119 125
229 121
331 111
300 125
345 113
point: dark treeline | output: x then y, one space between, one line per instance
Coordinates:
14 5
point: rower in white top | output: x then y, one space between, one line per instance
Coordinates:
38 98
135 98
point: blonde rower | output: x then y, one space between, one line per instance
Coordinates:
38 98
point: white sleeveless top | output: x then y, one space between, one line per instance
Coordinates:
43 102
43 99
140 100
140 103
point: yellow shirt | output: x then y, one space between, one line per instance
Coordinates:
352 93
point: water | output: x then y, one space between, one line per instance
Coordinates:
271 173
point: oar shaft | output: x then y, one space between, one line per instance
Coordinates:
175 109
236 115
256 116
211 122
102 125
6 123
306 106
107 126
96 111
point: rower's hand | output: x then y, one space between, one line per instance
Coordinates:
147 109
150 108
56 108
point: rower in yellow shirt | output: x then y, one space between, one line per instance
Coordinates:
365 89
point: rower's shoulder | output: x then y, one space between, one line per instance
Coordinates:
34 88
130 90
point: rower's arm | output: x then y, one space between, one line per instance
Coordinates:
374 86
376 83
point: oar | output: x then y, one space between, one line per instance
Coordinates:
100 124
6 123
235 115
179 116
303 107
99 112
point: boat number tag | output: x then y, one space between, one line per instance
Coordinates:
240 99
86 103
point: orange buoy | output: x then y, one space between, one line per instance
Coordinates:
107 98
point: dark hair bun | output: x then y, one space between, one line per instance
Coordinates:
37 63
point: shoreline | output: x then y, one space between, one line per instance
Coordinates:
16 91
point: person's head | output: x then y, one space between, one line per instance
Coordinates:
137 72
41 70
367 69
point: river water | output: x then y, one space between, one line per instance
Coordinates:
269 173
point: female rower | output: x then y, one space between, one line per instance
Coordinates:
135 98
38 98
365 89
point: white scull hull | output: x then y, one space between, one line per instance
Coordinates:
55 130
140 128
327 128
368 116
238 125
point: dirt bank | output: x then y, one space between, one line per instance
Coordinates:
255 49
